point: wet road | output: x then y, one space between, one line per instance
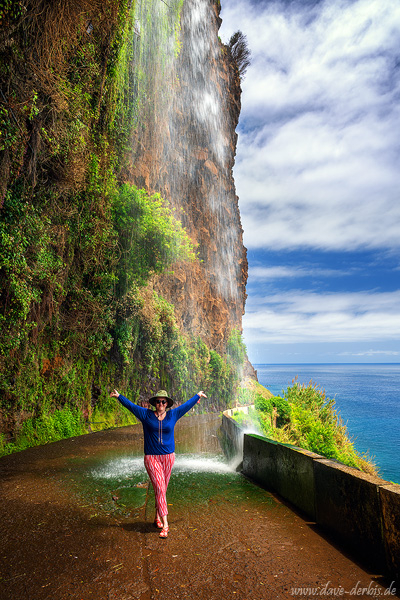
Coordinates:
76 523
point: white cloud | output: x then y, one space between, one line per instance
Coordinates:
269 273
304 317
261 273
318 151
371 353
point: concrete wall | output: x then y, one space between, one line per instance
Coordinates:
282 468
233 433
389 496
233 436
347 503
361 510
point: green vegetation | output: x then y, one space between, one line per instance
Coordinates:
48 428
80 248
150 237
306 418
62 423
315 425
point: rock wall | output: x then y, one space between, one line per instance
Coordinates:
187 155
96 94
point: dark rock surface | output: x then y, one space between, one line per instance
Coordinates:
186 153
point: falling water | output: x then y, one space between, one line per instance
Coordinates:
116 478
200 128
155 46
197 109
183 88
123 469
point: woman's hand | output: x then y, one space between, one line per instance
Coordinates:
201 394
114 394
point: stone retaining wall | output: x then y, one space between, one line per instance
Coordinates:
233 433
361 510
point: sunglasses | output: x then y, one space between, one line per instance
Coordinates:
161 402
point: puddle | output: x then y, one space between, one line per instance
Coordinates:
115 480
120 485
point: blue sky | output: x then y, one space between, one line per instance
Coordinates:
318 178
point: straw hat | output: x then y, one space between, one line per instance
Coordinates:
161 394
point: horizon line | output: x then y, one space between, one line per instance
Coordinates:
323 363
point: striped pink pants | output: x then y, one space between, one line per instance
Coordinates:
159 467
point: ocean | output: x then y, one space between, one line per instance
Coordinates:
367 397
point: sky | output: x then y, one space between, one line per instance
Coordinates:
318 178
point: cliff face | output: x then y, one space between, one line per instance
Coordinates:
187 156
96 96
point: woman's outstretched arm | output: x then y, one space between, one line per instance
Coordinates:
186 406
138 411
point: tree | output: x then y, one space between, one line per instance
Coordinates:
240 52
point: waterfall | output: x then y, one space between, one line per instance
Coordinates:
200 129
184 86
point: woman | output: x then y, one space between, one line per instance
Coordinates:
159 444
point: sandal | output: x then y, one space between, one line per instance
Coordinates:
157 523
164 532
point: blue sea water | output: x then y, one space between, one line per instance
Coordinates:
367 397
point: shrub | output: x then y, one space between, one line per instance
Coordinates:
250 420
63 423
150 237
263 404
283 410
308 419
316 426
236 349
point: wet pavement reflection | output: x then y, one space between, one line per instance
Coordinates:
116 480
76 522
